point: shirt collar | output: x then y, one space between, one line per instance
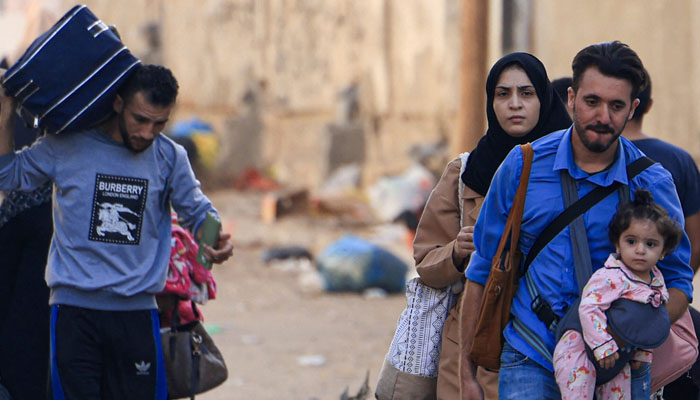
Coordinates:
564 160
656 281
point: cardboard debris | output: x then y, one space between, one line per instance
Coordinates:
283 202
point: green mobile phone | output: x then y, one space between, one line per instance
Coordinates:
210 235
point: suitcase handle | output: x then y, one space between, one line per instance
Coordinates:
30 119
26 91
97 27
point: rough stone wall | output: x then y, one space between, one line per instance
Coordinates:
663 33
22 20
285 61
267 73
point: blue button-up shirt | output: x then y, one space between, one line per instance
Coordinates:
553 270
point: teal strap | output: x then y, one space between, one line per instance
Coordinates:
532 339
531 288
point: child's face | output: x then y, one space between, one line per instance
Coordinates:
640 246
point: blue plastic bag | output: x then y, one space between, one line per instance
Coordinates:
354 264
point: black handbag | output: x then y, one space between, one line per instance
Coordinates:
193 363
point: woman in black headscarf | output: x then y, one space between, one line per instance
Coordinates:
521 107
497 143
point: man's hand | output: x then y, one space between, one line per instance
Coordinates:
609 361
223 250
464 245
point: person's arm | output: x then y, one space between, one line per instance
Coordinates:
692 229
686 178
675 267
437 250
29 168
603 287
7 112
677 304
469 313
192 205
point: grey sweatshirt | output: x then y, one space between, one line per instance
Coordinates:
111 212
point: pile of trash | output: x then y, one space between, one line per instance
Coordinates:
351 263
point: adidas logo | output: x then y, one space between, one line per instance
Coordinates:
142 368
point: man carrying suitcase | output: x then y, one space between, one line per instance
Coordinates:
113 188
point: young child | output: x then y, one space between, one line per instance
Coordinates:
642 233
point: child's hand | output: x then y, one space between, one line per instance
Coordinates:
609 361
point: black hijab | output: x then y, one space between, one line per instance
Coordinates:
496 144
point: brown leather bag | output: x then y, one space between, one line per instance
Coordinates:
502 283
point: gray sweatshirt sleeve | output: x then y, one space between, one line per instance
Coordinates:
29 168
186 195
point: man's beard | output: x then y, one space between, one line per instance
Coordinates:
595 146
127 141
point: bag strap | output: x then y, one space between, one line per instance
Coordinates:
581 206
578 237
175 316
580 249
176 323
194 379
515 216
464 157
579 242
582 265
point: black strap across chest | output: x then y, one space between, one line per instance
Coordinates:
581 206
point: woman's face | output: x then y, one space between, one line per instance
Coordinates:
515 102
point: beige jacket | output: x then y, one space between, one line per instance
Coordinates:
439 226
432 251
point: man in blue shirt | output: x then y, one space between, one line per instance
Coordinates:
606 80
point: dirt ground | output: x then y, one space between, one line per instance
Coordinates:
282 342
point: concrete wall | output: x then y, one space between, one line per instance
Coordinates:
267 73
663 32
293 57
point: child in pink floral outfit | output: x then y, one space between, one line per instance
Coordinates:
642 233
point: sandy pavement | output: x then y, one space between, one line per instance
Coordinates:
273 333
265 324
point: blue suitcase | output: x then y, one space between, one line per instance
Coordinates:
68 77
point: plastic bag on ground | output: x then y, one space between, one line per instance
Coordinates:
354 264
